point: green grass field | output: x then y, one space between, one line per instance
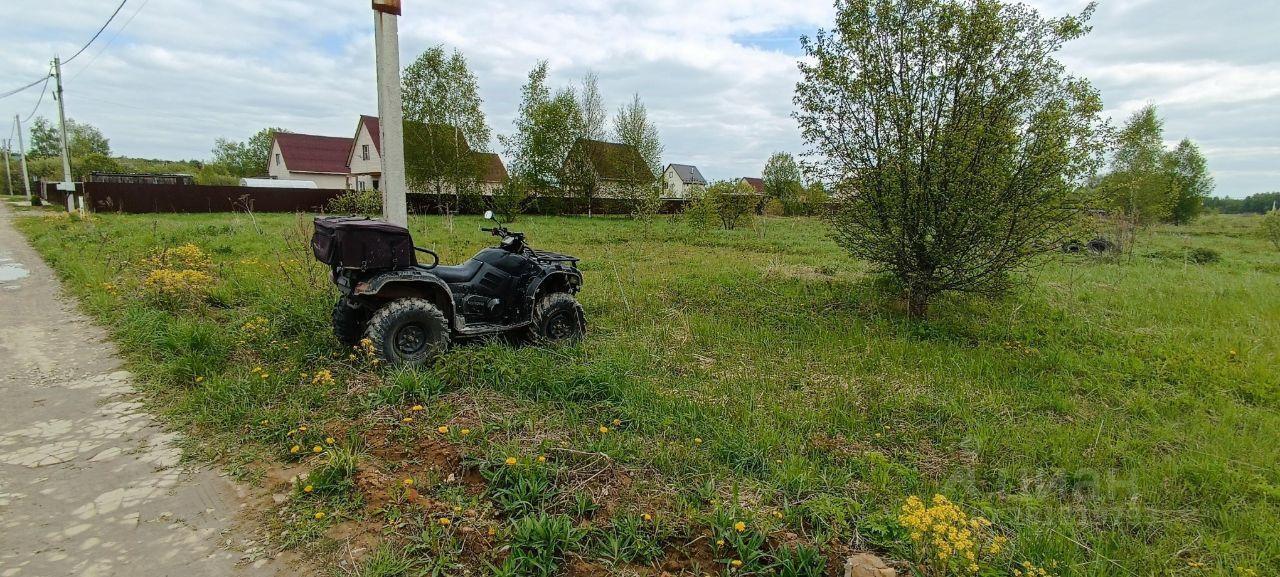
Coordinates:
1109 418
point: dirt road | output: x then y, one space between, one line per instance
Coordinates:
90 485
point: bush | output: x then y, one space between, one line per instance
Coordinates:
1203 256
1271 228
732 204
364 202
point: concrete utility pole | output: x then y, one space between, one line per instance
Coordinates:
8 178
390 116
67 185
22 154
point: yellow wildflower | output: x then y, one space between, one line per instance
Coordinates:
319 514
308 489
511 460
740 526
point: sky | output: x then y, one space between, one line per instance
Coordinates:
168 77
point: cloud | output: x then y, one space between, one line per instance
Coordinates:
717 76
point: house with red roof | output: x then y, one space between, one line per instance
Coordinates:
364 159
319 159
755 183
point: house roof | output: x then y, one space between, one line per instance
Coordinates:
611 160
688 174
491 167
756 183
312 153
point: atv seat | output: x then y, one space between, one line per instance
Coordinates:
460 273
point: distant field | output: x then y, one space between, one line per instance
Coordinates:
1111 418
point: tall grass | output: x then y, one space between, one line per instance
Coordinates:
1115 417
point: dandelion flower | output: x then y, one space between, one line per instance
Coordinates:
294 449
317 449
442 429
416 408
511 460
408 482
647 517
328 440
739 526
542 458
199 379
308 489
617 422
302 428
319 514
777 514
719 542
445 521
264 375
697 440
407 420
264 422
604 429
465 432
736 563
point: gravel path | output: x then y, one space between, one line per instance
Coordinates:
90 484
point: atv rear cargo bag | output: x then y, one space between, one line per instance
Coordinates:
360 243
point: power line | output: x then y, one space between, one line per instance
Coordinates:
110 40
17 90
40 100
99 32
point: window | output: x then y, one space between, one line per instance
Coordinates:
277 159
364 151
360 185
375 184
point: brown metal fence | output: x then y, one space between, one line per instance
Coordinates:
154 198
140 198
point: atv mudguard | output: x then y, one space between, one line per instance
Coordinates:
569 277
409 282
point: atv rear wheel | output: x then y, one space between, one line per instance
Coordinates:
557 317
348 322
409 331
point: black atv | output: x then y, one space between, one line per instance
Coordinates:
409 312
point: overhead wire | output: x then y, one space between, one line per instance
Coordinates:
96 34
40 100
110 40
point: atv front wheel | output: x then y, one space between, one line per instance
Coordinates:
348 323
409 331
557 317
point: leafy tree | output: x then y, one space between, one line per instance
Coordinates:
44 139
1255 203
1191 180
545 129
958 143
591 108
440 89
727 203
782 181
245 159
443 125
814 198
1140 186
82 140
631 126
82 166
